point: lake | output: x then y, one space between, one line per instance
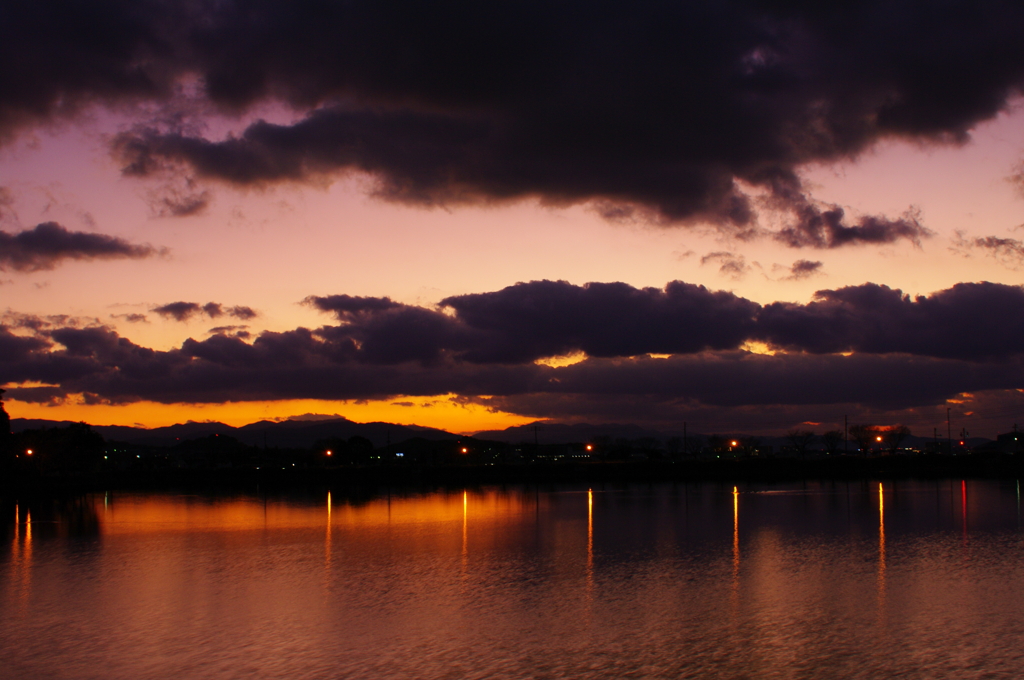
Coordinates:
806 580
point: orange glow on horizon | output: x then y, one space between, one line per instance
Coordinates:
442 412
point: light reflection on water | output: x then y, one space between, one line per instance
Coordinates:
664 581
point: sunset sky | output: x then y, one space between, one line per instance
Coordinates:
748 216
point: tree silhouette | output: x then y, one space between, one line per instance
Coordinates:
893 436
832 439
864 435
800 439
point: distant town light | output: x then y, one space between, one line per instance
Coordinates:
878 439
590 447
735 443
329 452
29 452
399 455
465 450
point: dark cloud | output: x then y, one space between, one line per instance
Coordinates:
179 311
46 395
804 269
175 202
972 321
18 348
131 318
825 226
529 321
183 311
298 364
729 264
1008 251
906 353
236 331
349 307
242 313
213 310
650 110
58 59
48 244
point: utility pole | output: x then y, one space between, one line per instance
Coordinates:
686 448
846 435
949 432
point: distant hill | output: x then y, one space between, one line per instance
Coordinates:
558 433
284 434
304 433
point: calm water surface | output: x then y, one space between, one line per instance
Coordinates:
912 579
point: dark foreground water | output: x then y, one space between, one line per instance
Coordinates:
910 579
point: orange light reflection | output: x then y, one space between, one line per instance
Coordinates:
734 593
465 531
735 533
881 549
327 538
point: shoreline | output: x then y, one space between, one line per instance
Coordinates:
744 470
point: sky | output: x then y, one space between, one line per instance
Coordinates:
747 216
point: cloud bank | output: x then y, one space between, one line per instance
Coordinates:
672 112
675 350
